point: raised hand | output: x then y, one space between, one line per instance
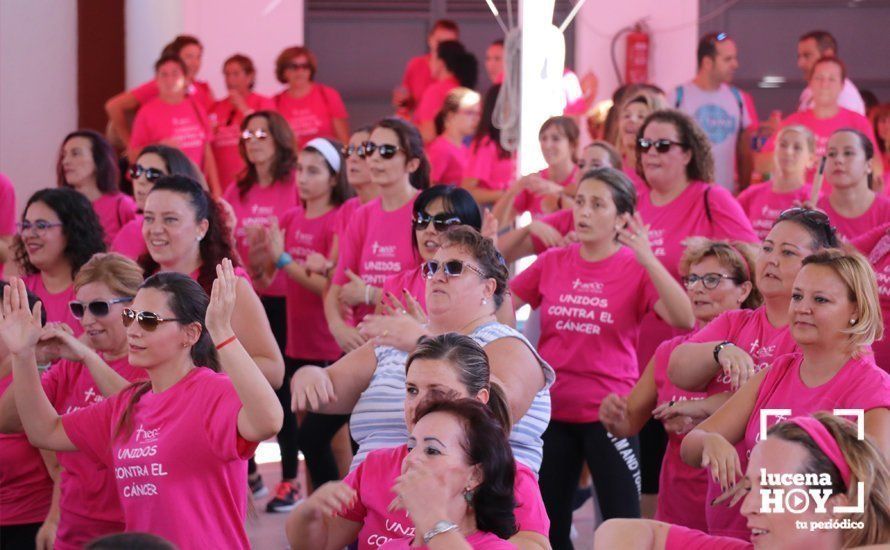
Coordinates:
634 234
59 342
20 327
399 330
222 302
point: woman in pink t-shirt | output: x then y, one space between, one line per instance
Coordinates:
490 167
448 364
88 165
455 123
543 192
631 114
226 117
154 162
177 119
377 243
452 65
852 204
818 445
835 316
794 155
358 174
184 233
188 426
718 278
592 297
312 110
875 245
58 233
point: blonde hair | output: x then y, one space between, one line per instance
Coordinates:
862 289
867 465
807 134
456 98
735 256
654 102
120 274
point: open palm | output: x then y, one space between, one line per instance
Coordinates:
20 327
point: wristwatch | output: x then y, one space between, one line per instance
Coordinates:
440 527
718 348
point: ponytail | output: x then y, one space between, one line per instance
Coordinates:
499 406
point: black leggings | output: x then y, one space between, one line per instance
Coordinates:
653 443
19 537
313 435
614 467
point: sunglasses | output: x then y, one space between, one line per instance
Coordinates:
151 174
98 308
40 226
147 320
453 268
661 145
440 222
358 150
299 66
386 150
709 280
259 134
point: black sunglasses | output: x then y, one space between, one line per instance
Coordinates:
453 268
661 145
298 66
99 308
358 150
386 150
147 320
151 174
709 280
440 222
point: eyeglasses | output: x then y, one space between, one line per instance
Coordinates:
661 145
386 150
709 280
259 134
99 308
440 222
453 268
151 174
359 150
299 66
40 226
147 320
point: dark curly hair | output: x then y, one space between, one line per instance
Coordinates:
215 245
285 156
485 444
701 165
412 144
483 250
80 225
107 172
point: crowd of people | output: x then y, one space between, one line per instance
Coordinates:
213 274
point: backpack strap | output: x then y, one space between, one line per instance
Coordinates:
708 205
679 93
738 97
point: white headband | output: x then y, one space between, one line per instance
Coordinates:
328 151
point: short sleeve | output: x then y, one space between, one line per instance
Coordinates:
52 380
90 428
728 219
7 207
531 515
718 330
357 512
527 285
140 135
146 92
221 407
334 102
126 209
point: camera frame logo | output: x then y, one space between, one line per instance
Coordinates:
784 492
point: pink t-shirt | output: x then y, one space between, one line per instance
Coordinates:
129 240
55 305
225 122
89 503
114 212
859 384
822 128
417 77
683 538
185 123
412 281
485 165
312 115
345 214
590 321
198 89
681 488
877 214
7 210
377 245
876 245
433 98
447 161
182 468
763 205
477 541
256 209
375 476
25 486
631 172
308 336
526 201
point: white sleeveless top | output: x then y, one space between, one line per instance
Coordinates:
378 419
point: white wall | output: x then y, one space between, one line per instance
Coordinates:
150 24
38 89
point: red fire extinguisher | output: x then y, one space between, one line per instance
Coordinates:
636 61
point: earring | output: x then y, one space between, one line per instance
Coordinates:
199 237
468 496
852 322
484 301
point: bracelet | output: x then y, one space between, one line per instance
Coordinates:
226 342
367 295
718 348
439 528
283 260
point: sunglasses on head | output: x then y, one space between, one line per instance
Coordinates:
709 280
453 268
98 308
386 150
259 133
358 150
146 319
151 174
440 222
298 66
661 145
